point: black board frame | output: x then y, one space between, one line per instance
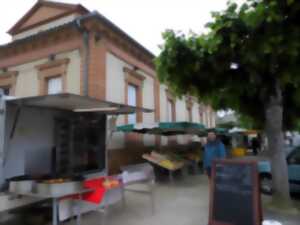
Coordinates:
256 200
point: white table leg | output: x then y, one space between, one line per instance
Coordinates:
78 211
152 196
55 212
123 197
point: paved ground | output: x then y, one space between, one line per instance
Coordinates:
183 203
285 219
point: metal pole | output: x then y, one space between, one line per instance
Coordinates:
111 128
171 176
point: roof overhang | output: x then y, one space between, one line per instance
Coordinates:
76 103
103 20
84 18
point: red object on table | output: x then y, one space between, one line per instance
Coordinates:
97 195
98 189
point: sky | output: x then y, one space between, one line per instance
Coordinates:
144 20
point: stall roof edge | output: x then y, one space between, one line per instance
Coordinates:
76 102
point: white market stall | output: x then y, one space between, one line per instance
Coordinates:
52 140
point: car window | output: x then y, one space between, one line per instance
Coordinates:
295 157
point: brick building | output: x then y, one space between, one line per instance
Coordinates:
59 47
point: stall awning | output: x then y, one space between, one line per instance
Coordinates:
171 128
165 128
218 130
238 130
76 103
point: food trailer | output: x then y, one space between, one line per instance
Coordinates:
53 139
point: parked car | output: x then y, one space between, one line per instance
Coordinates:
293 161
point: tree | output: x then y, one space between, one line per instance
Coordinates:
248 61
248 123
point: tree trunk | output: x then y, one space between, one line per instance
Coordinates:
274 118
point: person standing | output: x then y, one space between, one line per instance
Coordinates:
214 149
255 145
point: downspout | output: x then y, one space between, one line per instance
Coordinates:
86 60
2 138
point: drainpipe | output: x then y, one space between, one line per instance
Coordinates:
85 39
2 138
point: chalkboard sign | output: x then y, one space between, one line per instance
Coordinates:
235 197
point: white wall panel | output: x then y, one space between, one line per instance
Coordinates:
115 92
181 111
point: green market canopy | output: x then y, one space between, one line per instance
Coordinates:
218 130
165 128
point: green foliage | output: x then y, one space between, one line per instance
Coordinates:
248 123
242 122
238 63
297 126
227 125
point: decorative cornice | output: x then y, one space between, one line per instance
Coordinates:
134 74
52 69
38 41
9 79
9 74
170 96
54 63
189 102
68 31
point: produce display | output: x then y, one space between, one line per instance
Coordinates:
171 165
170 162
56 181
111 183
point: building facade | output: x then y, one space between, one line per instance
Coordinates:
59 47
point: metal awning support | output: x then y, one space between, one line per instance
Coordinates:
17 115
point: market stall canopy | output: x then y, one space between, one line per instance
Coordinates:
76 103
237 130
251 132
165 128
218 130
